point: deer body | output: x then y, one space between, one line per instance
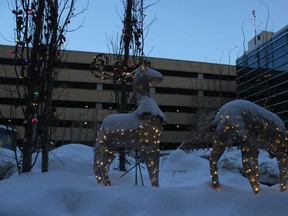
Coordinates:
253 128
140 130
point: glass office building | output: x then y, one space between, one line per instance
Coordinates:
262 72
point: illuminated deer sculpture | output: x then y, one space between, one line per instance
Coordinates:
253 128
140 130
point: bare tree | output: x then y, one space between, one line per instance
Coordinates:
128 54
201 136
40 33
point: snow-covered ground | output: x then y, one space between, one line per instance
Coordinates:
70 188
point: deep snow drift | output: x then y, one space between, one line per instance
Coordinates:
70 188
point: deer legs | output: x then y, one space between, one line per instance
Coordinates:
103 159
217 151
250 165
282 164
151 158
249 160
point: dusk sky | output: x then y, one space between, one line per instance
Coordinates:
205 31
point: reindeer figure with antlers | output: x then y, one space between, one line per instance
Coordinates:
140 130
253 128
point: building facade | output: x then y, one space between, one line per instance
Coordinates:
83 101
262 72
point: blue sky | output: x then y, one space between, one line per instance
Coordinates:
203 30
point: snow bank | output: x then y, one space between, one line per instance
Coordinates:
70 189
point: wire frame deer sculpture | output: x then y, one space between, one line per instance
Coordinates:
140 130
253 128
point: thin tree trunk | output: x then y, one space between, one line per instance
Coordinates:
30 132
123 101
47 114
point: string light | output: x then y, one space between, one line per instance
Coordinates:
253 128
34 120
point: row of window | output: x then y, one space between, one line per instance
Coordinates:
94 105
111 87
84 66
278 64
249 74
271 81
89 124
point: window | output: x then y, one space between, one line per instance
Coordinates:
200 76
200 93
98 106
99 86
152 90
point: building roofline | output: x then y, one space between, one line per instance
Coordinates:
275 35
156 58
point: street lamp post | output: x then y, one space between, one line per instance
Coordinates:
244 39
229 65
